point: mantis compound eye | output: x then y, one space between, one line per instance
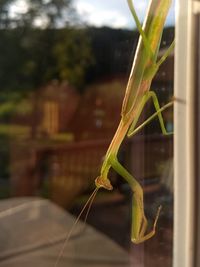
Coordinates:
102 182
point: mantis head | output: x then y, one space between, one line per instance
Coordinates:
102 182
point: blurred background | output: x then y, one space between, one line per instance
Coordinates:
64 66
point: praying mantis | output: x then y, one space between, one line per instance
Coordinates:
138 93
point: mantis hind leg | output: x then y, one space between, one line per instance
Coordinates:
143 229
154 97
133 129
139 221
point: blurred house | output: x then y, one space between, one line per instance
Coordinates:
58 103
52 108
98 113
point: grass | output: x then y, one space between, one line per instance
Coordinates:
13 130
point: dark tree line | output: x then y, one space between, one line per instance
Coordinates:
32 56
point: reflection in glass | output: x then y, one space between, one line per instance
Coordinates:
62 85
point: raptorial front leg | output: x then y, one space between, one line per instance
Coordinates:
139 222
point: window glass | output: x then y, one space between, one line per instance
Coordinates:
64 71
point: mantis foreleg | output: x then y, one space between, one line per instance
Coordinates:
139 221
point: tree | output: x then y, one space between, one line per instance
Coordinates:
72 56
36 13
32 55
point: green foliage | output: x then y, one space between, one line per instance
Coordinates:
14 131
34 57
6 109
39 45
72 55
14 104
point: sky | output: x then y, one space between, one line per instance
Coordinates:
113 13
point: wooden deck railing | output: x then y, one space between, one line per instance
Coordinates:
74 167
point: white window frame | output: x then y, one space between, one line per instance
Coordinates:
184 146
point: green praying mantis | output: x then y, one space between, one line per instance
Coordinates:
138 93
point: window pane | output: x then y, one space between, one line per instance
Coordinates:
64 72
